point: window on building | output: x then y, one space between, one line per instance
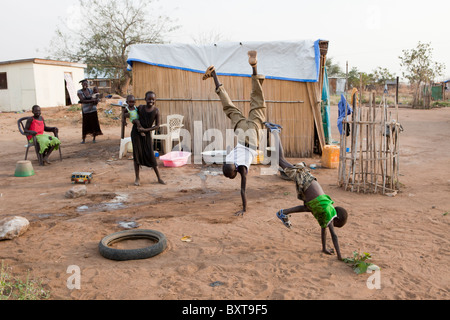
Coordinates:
3 81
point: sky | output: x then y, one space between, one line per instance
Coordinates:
361 33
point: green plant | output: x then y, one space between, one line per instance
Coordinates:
74 107
359 262
440 104
16 289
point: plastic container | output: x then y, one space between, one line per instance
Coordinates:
175 158
24 169
214 156
330 156
259 157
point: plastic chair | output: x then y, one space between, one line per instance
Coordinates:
173 125
21 124
124 147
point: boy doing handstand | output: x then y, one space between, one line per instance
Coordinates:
315 201
240 158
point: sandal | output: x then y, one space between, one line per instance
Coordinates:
284 218
283 174
273 127
252 58
208 73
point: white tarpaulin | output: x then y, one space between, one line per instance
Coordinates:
284 60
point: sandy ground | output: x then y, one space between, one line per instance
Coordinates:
253 257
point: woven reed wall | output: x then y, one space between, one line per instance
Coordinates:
296 118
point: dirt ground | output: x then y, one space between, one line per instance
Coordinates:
253 257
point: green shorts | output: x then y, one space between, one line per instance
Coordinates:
322 209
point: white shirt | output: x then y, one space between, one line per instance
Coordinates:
241 156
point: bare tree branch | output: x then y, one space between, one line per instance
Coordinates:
109 29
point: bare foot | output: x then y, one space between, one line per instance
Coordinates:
252 58
137 182
208 73
161 181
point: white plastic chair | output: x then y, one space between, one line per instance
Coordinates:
124 147
173 128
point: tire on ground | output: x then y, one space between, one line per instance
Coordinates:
132 254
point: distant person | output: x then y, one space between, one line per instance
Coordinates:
238 161
91 125
143 154
35 128
315 201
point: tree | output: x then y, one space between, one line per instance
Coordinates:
333 69
209 37
419 67
353 78
381 75
109 29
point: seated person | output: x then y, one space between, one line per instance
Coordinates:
35 128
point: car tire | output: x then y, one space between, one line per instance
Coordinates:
132 254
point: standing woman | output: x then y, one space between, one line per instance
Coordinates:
143 154
89 111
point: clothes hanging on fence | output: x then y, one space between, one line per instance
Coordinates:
354 94
326 108
341 115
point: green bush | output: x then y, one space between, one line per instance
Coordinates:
436 104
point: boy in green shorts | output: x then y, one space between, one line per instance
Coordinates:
315 201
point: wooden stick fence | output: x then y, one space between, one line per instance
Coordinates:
369 157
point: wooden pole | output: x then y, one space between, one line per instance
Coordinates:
396 92
361 156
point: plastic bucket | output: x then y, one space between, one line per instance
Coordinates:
24 169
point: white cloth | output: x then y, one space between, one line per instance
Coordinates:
284 60
241 156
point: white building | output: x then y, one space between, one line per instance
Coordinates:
47 83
